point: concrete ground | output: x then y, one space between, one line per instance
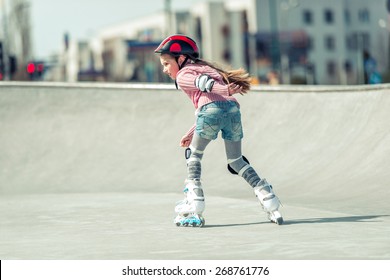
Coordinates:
91 171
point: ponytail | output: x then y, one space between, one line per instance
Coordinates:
235 76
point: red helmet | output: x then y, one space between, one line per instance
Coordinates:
177 45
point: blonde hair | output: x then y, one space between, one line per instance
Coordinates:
237 76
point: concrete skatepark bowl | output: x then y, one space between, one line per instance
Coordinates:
93 171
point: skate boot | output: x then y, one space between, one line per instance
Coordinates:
269 201
189 211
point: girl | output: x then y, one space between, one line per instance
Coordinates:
211 90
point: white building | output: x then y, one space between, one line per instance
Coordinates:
122 47
15 35
338 32
312 41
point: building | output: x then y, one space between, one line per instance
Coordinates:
303 41
338 32
15 38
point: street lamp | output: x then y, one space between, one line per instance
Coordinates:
385 25
275 47
5 42
168 17
286 6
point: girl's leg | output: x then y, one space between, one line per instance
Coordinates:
240 166
261 188
191 208
197 147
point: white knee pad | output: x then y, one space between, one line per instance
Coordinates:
242 168
236 166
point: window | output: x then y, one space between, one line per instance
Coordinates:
349 43
308 17
328 16
358 41
310 43
364 15
198 28
330 43
331 68
348 66
366 40
347 17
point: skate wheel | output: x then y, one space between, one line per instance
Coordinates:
279 221
277 218
202 222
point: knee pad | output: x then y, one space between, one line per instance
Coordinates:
240 170
187 153
192 152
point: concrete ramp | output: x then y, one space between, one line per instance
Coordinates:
96 166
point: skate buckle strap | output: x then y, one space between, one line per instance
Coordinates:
242 171
263 184
268 196
194 150
193 159
233 160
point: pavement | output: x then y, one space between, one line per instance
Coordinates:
93 171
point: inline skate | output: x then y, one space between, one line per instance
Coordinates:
269 201
189 211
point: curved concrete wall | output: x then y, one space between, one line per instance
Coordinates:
314 144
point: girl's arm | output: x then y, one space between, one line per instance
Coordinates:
187 138
190 80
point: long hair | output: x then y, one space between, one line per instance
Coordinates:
237 76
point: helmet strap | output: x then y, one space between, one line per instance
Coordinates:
180 66
184 62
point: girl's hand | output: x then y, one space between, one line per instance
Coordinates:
186 141
234 88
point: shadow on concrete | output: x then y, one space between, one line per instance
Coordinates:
235 225
346 219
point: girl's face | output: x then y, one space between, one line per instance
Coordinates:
170 66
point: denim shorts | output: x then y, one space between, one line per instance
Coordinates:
218 116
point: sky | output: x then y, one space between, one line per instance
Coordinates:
51 19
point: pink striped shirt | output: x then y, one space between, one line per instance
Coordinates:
186 81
